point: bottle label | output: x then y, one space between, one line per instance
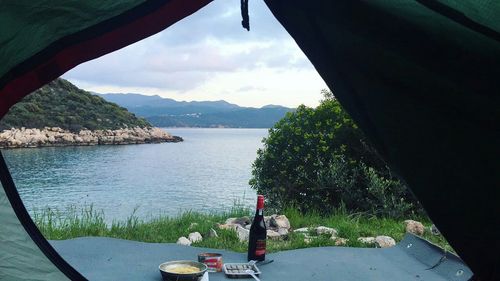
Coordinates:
261 248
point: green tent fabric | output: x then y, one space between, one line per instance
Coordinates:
421 78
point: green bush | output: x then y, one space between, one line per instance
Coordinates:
318 159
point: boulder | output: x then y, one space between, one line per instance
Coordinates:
280 221
183 241
195 237
243 233
326 230
283 231
384 241
273 235
414 227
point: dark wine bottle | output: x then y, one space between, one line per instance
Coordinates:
258 233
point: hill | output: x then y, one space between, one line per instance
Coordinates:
164 112
62 104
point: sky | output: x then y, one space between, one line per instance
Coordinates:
209 56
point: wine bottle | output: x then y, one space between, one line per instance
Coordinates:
258 233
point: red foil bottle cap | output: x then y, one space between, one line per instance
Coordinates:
260 201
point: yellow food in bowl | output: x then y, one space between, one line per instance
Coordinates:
184 269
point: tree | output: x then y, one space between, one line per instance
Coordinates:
318 159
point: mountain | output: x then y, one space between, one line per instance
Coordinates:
155 105
165 112
62 104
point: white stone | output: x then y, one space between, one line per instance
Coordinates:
385 241
302 230
183 241
243 233
195 237
326 230
367 240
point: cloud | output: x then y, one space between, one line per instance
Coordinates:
207 46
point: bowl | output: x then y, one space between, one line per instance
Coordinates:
169 271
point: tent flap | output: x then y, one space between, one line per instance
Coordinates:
422 82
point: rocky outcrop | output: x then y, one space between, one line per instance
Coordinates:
54 136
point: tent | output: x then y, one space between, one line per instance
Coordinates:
420 77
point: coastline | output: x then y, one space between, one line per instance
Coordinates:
55 136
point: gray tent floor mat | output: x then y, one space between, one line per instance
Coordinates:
99 258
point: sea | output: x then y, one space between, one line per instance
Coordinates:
208 172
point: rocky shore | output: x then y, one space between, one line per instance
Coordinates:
54 136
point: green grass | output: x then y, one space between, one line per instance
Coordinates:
56 225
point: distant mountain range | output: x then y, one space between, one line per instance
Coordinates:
165 112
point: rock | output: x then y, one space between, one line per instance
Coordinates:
303 230
243 233
283 231
326 230
248 226
341 241
195 237
273 235
384 241
192 225
308 240
367 240
435 230
241 221
414 227
55 136
227 226
183 241
212 233
280 221
267 221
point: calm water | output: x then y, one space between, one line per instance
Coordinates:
208 171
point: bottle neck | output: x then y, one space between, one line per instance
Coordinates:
259 212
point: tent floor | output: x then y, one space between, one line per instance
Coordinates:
100 258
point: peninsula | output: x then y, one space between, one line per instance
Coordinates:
61 114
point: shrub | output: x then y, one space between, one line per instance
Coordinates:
318 159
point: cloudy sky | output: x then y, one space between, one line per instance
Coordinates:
209 56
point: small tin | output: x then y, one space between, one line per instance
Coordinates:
212 260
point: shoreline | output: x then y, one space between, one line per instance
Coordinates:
55 136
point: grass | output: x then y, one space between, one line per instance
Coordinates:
56 225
